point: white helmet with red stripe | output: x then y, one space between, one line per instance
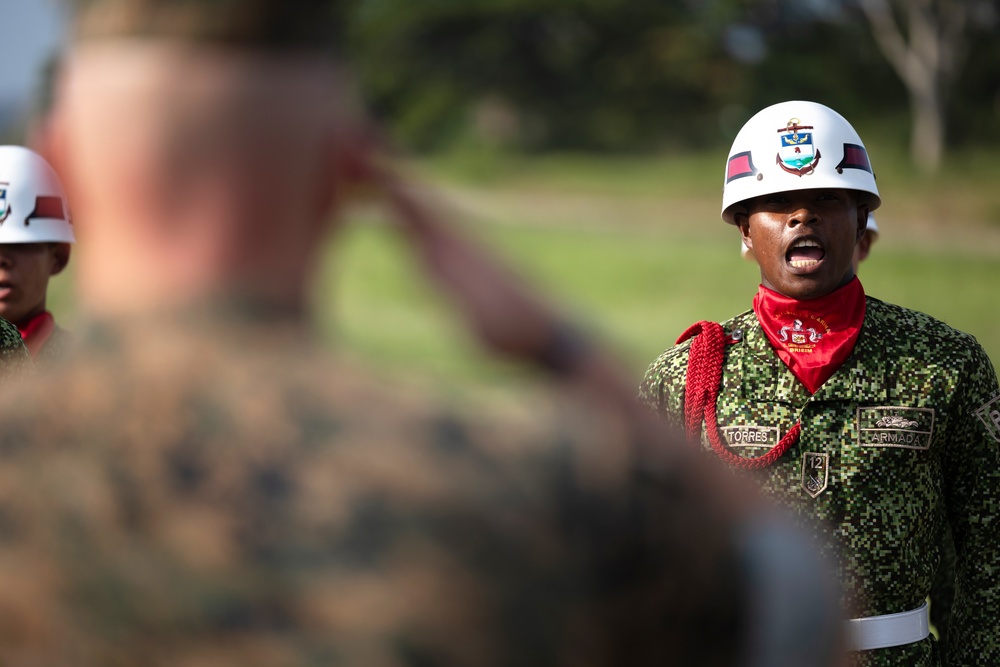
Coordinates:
796 146
33 205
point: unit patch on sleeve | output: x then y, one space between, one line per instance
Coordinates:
989 414
896 426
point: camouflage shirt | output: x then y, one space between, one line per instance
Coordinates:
901 441
15 361
216 489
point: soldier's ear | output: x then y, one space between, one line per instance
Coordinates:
60 257
742 220
862 222
864 247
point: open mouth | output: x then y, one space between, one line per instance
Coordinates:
805 253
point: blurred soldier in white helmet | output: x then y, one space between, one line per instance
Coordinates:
878 426
35 238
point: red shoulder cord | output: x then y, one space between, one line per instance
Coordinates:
704 377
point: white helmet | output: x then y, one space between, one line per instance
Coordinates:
796 146
33 205
872 225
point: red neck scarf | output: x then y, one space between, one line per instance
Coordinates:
814 337
36 331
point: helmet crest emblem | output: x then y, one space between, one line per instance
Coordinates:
797 154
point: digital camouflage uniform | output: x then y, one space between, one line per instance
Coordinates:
15 362
901 441
217 490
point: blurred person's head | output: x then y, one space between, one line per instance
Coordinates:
205 146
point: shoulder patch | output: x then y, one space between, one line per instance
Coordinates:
989 414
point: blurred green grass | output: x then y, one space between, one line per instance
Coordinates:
635 250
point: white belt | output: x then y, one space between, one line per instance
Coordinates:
865 634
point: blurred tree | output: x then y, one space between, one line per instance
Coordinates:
649 75
926 42
941 58
594 74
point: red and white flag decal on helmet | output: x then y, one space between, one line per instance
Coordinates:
855 157
740 165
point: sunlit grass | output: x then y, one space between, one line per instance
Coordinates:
638 290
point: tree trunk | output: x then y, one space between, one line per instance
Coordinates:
925 57
927 136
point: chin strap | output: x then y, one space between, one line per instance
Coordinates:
704 377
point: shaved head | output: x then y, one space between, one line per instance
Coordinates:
198 165
261 25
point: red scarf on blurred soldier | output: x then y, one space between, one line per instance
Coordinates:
815 337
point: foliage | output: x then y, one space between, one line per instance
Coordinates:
633 75
602 74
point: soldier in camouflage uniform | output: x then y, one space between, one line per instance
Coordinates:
203 484
879 427
943 588
35 238
18 260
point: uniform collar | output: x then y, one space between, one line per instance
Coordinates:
863 375
765 378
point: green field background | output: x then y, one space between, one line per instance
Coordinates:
634 249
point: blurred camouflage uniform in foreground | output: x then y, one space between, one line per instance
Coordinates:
202 484
215 490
